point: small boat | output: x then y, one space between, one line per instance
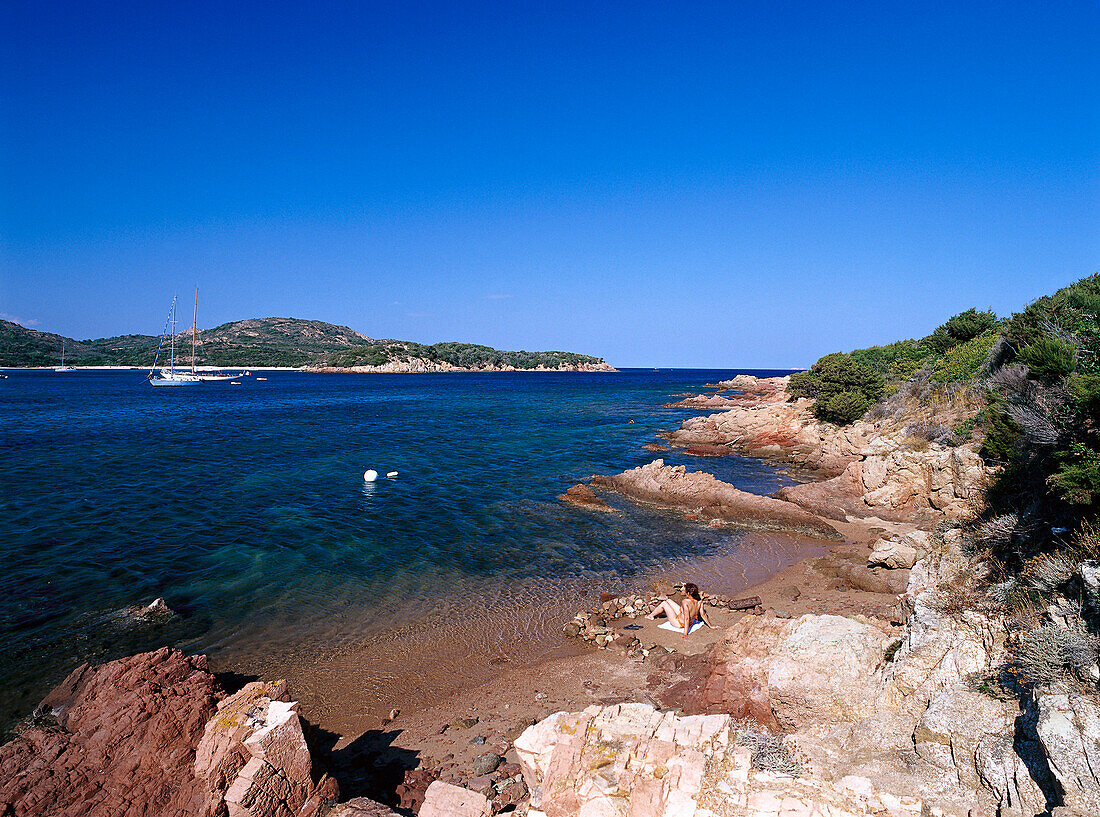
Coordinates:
261 378
169 376
63 367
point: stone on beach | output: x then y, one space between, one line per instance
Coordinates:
447 800
675 487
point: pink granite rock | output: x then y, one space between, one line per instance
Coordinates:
701 493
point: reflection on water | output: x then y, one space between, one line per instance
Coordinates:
247 510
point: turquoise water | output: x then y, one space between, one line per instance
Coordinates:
245 508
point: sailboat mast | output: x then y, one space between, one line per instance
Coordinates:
194 323
172 359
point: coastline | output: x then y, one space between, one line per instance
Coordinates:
421 730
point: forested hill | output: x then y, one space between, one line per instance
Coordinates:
261 342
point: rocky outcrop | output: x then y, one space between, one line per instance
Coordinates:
1069 730
153 735
873 468
585 497
900 484
630 759
748 392
253 759
113 740
702 494
788 673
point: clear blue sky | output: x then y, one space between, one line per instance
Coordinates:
661 184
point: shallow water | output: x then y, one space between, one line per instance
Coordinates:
246 509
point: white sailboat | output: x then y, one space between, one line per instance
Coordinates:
169 376
63 367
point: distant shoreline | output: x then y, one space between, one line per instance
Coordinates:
323 370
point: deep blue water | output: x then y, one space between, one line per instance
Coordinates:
245 506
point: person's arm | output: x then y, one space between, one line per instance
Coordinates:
685 611
703 613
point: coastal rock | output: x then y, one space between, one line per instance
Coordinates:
585 497
872 468
1069 729
701 493
447 800
787 673
361 807
630 760
892 555
900 485
124 741
254 758
153 735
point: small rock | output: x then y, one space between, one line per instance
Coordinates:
478 741
487 764
463 723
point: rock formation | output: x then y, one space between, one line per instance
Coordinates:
153 735
700 493
874 468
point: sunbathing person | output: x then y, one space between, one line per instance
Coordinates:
692 610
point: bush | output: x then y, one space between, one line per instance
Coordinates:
959 329
1049 572
962 362
1077 478
1049 359
1047 654
842 408
802 384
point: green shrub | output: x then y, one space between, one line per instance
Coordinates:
1049 359
842 408
1002 436
961 363
1077 477
959 329
838 373
802 384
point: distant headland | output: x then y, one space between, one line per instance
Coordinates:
285 342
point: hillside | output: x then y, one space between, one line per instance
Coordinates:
261 342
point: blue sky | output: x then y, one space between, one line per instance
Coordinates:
691 184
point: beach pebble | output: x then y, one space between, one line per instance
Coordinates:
478 741
463 723
540 696
487 763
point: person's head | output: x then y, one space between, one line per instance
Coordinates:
692 590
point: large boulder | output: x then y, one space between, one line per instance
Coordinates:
676 487
113 740
153 736
792 672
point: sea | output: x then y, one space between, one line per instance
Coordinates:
246 509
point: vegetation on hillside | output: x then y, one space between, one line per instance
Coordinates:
463 355
265 342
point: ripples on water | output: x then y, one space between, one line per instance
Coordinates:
246 509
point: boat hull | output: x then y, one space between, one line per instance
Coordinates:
157 381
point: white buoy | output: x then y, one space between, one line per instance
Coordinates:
391 474
370 475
